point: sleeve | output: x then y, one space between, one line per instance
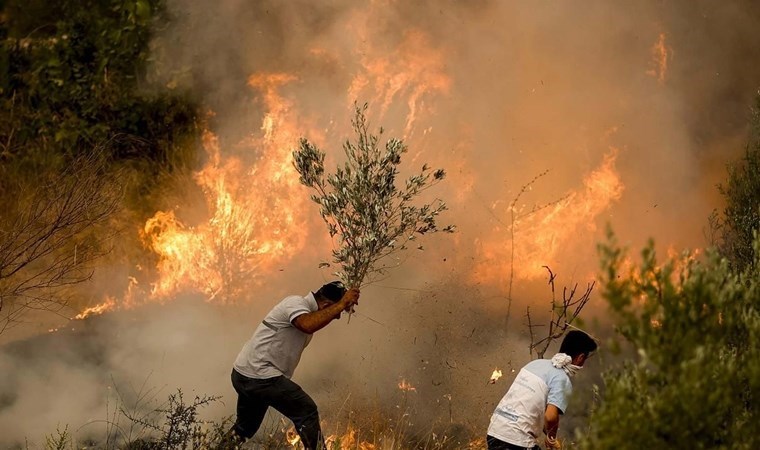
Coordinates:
295 306
560 390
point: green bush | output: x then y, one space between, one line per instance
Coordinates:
741 215
74 76
696 378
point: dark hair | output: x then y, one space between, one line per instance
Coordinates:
577 342
332 291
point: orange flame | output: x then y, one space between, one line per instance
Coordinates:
541 235
406 387
110 303
292 437
96 310
253 210
252 194
414 70
495 376
348 441
661 54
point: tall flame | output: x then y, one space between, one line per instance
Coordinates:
540 236
253 209
414 70
661 54
252 194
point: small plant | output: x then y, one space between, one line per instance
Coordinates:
58 441
361 204
180 427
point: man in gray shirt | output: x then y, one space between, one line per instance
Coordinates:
262 371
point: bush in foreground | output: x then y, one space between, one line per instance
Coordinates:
696 378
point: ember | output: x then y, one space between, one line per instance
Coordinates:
292 437
406 387
495 376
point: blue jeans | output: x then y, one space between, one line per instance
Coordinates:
256 395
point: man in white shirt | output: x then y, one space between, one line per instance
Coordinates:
537 397
262 371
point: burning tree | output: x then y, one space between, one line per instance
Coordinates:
361 204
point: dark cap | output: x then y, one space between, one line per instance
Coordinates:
332 291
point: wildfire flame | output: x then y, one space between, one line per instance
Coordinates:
97 309
540 236
406 387
348 441
661 54
110 303
495 376
253 210
292 437
414 70
251 194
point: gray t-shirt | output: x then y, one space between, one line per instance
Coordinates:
276 345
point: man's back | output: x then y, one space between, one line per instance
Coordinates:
276 346
519 416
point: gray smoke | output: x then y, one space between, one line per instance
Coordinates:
531 87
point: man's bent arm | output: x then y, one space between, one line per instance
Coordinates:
551 421
315 321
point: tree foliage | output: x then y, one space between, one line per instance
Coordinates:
361 204
741 215
695 381
74 76
75 91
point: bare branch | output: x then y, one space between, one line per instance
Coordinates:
515 216
48 241
562 315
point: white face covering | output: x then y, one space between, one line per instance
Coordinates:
564 361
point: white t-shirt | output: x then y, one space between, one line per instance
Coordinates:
276 345
519 416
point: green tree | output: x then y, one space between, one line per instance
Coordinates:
741 215
74 75
695 380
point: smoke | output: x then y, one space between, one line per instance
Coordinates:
655 93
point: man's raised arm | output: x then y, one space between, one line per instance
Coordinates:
315 321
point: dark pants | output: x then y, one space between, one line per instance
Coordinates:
256 395
496 444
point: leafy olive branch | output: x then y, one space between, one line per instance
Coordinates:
362 204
